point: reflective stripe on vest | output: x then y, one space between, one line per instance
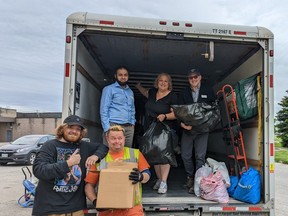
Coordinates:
130 155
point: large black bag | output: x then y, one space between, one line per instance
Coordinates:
202 117
157 144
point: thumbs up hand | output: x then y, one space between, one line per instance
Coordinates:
74 159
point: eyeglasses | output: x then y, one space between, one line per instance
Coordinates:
193 77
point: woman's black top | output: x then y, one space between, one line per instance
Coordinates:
162 106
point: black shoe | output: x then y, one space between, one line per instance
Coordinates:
190 182
191 190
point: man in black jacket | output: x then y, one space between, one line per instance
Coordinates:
60 168
197 92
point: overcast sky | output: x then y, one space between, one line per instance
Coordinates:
33 35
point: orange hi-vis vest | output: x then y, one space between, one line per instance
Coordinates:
130 155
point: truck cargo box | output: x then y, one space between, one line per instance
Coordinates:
97 44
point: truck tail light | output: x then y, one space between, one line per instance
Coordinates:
271 53
67 70
68 39
271 149
106 22
240 33
271 81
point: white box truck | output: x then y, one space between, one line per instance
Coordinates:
97 44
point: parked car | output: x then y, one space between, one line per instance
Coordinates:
86 139
23 149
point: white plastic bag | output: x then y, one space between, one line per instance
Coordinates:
221 167
202 172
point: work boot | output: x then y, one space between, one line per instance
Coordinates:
190 182
191 190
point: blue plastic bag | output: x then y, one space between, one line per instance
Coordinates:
248 188
233 184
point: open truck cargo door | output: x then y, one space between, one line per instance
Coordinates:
226 54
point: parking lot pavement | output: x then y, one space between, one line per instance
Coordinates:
11 189
281 197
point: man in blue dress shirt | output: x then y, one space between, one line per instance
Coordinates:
117 106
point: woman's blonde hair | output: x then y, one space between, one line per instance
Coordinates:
60 131
169 80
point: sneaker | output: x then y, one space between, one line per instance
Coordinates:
190 182
163 188
157 184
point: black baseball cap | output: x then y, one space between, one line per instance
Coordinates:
74 120
194 71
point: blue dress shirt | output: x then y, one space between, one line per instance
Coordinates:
117 106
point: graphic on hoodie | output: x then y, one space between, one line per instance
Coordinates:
72 179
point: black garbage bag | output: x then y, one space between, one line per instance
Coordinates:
202 117
157 144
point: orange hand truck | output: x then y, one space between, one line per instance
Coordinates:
232 132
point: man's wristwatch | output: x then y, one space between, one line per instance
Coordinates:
94 202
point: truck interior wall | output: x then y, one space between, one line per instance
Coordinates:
89 74
216 145
250 67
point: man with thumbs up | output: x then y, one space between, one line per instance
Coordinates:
60 168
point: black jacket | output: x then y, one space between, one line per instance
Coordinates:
206 94
53 194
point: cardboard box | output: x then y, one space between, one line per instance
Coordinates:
121 165
115 190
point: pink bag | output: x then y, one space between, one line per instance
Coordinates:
213 188
202 172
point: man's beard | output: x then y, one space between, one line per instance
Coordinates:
71 138
121 83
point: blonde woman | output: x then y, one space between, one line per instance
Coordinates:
158 106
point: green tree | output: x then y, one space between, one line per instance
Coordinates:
282 121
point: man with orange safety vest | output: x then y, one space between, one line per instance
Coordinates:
117 152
